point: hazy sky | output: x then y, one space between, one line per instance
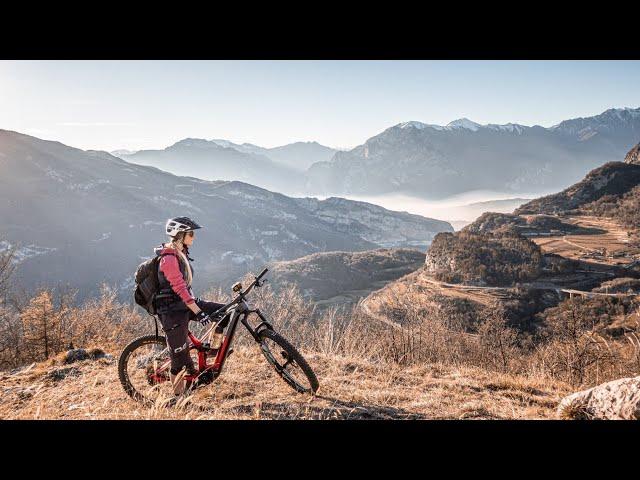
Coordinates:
109 105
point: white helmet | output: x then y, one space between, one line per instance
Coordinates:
180 224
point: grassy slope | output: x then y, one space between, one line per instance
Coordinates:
248 389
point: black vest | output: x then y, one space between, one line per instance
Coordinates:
165 292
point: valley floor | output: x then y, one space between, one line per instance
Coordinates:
614 240
248 389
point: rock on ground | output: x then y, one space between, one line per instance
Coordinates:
616 400
79 354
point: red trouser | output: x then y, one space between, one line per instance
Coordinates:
175 323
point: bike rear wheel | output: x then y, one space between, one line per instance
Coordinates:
143 370
288 362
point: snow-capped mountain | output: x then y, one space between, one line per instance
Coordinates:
615 122
463 123
434 161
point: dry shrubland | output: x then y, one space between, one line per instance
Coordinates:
50 323
367 370
427 366
574 343
581 342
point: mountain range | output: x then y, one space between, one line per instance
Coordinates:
414 158
432 161
81 218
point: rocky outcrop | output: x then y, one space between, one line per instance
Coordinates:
78 354
616 400
483 259
633 156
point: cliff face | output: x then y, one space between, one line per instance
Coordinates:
439 258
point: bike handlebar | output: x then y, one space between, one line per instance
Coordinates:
262 273
254 283
242 294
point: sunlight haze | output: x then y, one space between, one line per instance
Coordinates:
109 105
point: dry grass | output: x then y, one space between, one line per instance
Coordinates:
249 389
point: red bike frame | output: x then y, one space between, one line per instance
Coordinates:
239 310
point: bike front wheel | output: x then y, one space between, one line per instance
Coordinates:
288 362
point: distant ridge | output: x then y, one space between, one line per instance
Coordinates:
435 161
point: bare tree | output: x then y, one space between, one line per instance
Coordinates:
42 325
576 350
499 341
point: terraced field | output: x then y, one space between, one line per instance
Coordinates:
610 248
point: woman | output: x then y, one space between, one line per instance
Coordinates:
175 303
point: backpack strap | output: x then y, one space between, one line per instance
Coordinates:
159 257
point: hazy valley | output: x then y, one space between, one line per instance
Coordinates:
81 218
418 160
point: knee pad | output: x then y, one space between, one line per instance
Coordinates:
182 348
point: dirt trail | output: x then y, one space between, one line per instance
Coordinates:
483 295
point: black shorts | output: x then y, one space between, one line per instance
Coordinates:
175 323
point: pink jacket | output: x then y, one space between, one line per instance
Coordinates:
170 268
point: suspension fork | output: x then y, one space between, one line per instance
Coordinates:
255 332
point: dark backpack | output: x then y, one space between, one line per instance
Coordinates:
146 279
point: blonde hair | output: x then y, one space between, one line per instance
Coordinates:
177 244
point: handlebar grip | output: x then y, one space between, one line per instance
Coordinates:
262 273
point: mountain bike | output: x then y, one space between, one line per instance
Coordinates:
144 364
